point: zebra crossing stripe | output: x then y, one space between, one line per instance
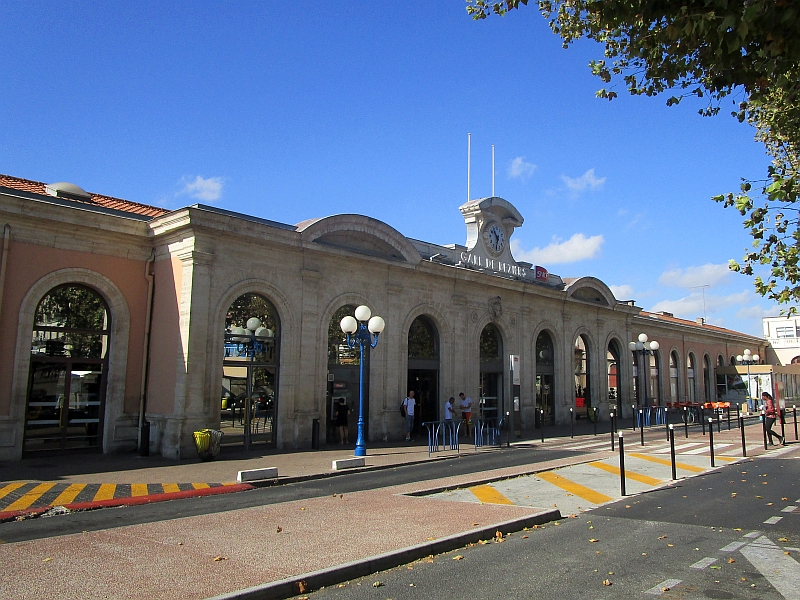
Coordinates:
488 495
11 487
705 449
106 492
139 489
629 474
171 488
574 488
678 448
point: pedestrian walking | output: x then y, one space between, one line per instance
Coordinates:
771 413
342 411
449 411
408 405
466 410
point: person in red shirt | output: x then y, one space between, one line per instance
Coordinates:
771 413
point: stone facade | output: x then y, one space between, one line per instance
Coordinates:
170 278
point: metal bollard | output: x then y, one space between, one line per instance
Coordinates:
744 445
729 418
541 421
621 465
641 424
686 421
764 428
633 416
795 422
611 418
666 420
594 412
703 419
672 452
571 422
719 421
782 420
711 438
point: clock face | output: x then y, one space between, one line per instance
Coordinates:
496 237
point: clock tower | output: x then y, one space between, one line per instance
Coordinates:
490 224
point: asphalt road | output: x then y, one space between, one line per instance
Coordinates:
107 518
698 539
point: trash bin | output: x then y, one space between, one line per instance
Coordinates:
207 442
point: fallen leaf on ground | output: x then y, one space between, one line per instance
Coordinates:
458 557
670 545
731 561
524 537
474 524
498 534
715 567
769 503
783 539
302 508
377 584
784 499
606 582
220 558
594 540
662 537
47 559
279 529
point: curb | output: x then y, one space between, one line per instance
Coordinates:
128 501
291 586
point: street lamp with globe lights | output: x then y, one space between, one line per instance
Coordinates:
362 330
645 349
747 358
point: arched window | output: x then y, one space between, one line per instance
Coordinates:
692 390
721 360
655 378
250 371
422 339
69 361
339 353
674 379
545 392
795 360
582 375
612 369
423 369
707 378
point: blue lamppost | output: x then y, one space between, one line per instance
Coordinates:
749 359
645 349
362 331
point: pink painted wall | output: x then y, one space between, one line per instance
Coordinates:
165 338
27 263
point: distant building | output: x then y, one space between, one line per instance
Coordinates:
783 336
115 314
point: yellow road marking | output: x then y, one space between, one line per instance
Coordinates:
230 483
200 486
30 497
726 458
488 495
139 489
574 488
69 494
628 474
106 492
170 488
664 461
10 488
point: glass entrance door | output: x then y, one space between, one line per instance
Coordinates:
65 406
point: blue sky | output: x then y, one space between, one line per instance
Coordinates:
301 110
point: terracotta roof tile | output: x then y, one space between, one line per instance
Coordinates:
670 319
37 187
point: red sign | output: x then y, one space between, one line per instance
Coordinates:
541 273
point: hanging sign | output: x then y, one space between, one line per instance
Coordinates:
514 361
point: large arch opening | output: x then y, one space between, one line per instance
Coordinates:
67 375
691 389
545 372
674 377
707 379
343 374
250 363
583 397
613 357
423 368
491 373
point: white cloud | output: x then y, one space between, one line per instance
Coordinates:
201 188
692 306
519 169
709 273
587 181
576 248
755 313
621 292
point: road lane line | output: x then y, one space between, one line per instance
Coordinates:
10 488
789 509
29 497
69 494
574 488
106 492
705 449
488 495
752 534
677 448
629 474
664 461
170 488
772 520
732 547
138 489
703 563
781 570
664 585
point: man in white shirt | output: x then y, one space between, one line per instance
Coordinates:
408 404
466 410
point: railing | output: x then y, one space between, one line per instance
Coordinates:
442 434
487 432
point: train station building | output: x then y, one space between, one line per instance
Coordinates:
115 314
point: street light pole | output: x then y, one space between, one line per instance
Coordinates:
747 358
362 330
644 349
